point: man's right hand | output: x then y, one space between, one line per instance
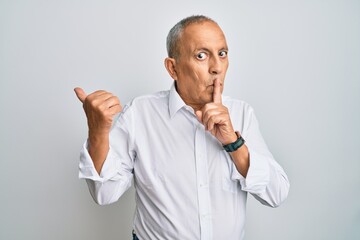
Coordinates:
100 108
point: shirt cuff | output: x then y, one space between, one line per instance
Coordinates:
258 174
87 169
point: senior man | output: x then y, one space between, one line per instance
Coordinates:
193 154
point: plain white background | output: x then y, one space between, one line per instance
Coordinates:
296 62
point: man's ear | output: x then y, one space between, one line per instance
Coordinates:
170 65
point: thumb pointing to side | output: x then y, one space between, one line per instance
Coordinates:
80 94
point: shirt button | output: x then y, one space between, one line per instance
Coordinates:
204 216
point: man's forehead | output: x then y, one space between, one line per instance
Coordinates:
204 35
204 26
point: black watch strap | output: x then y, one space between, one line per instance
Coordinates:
231 147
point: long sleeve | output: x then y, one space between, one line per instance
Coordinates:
117 172
266 179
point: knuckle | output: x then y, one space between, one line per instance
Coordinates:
115 99
100 91
207 106
94 102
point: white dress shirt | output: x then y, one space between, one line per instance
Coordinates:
187 186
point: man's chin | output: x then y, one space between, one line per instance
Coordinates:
207 99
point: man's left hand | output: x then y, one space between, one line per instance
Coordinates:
216 119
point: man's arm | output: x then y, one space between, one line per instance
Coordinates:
100 108
216 119
241 160
265 179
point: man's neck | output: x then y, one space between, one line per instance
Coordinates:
188 102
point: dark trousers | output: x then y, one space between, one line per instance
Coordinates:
134 236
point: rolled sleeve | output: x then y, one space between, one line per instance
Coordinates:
86 166
117 171
87 169
265 180
258 175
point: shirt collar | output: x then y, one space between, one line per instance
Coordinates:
175 101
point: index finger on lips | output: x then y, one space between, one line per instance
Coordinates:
217 91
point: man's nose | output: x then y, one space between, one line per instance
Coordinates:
215 66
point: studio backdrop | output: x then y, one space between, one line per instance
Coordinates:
297 63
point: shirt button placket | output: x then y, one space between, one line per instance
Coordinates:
202 184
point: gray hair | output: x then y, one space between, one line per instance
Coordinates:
172 40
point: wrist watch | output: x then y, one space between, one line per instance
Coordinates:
231 147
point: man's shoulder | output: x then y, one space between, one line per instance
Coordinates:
236 104
156 100
157 96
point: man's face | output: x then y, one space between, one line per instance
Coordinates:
203 58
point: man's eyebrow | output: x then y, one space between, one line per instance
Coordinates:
207 50
202 49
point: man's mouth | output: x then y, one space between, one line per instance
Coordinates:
213 84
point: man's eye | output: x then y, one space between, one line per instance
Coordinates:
223 53
201 56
